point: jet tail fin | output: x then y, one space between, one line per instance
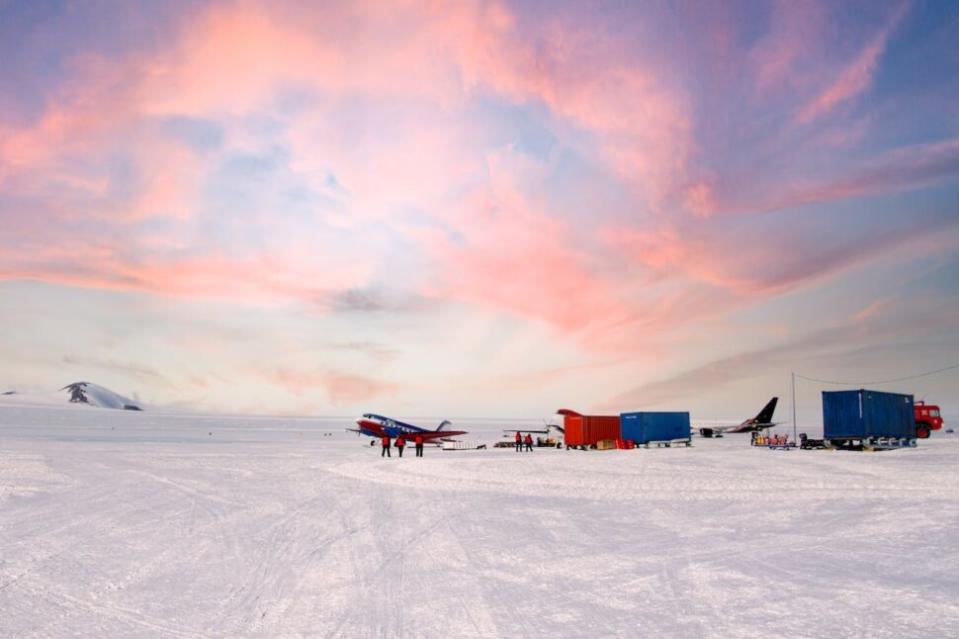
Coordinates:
765 416
443 424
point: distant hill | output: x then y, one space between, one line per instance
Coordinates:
94 395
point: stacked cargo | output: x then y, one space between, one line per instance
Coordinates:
465 445
867 418
588 430
658 427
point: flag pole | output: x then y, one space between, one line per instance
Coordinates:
794 408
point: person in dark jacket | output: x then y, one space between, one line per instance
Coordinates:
519 441
419 445
400 444
385 441
529 442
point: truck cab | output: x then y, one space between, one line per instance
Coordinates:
928 419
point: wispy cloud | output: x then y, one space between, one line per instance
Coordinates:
378 174
374 350
875 326
137 371
854 78
340 388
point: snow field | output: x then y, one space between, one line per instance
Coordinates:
145 525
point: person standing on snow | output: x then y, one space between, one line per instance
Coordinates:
400 444
529 442
419 445
385 440
519 441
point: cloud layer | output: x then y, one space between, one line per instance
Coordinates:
612 180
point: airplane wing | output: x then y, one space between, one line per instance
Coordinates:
762 421
433 435
745 428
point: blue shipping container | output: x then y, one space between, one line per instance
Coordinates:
646 427
861 413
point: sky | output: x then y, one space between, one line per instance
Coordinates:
479 208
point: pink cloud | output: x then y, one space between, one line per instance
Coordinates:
856 77
517 258
725 259
781 59
904 168
900 169
342 388
262 278
232 61
831 343
480 233
875 308
642 123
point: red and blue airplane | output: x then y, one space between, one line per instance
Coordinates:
373 425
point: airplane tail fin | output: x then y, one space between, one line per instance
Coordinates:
765 416
443 424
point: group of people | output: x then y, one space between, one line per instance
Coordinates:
522 442
764 439
401 445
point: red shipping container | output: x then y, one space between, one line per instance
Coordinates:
586 430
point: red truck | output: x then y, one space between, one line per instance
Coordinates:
928 419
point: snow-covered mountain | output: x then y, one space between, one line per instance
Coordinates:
87 393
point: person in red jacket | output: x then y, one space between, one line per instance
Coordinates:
519 441
385 441
400 444
419 445
529 442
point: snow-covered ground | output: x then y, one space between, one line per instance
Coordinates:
119 524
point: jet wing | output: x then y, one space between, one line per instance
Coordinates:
762 421
526 430
431 435
748 428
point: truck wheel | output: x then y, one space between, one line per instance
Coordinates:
923 431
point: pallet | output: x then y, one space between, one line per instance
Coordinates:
871 444
669 444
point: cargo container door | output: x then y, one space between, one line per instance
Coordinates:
667 426
842 414
573 427
888 415
678 426
607 427
630 426
649 427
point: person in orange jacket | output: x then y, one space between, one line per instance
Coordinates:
400 444
529 442
385 441
419 445
519 441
